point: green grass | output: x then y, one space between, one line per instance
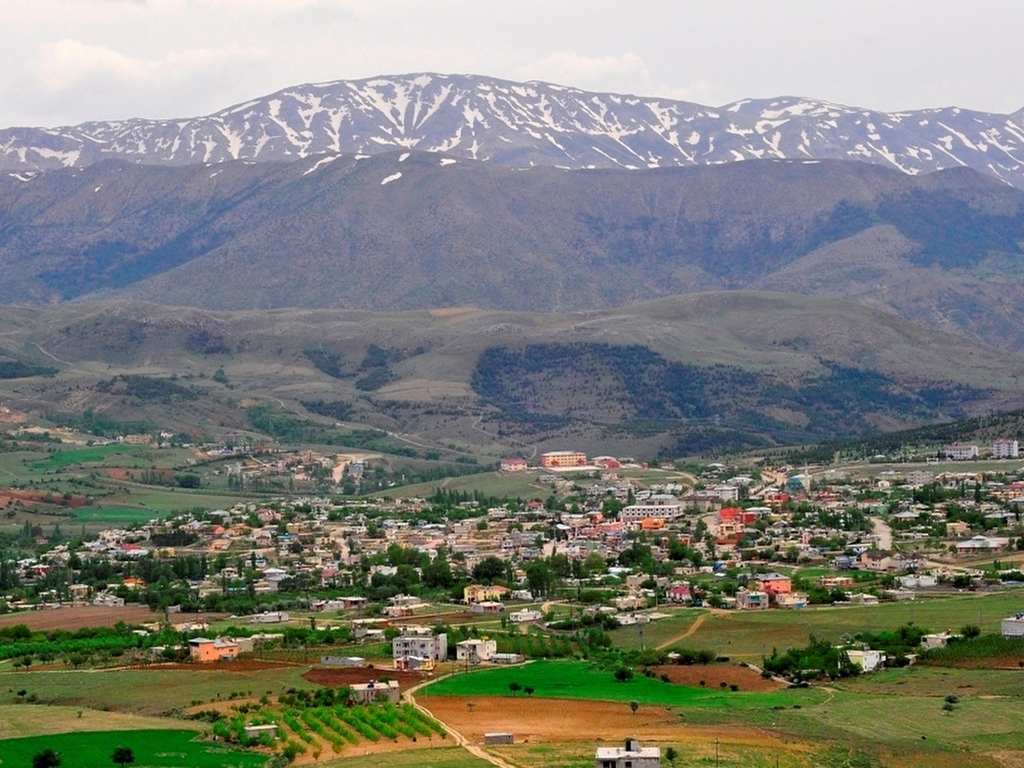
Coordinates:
509 485
94 455
750 635
938 681
165 749
113 515
581 680
657 633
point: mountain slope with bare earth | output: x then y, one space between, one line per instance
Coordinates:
415 230
678 375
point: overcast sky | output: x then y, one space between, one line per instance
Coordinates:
69 61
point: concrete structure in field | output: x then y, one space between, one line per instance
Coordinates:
257 731
1013 626
475 651
499 738
868 660
419 648
563 459
270 617
632 755
375 690
203 649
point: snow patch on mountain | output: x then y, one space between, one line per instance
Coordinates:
524 125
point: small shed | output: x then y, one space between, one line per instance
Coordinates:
499 738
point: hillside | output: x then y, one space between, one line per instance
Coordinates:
414 230
680 375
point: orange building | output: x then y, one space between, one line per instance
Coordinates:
563 459
203 649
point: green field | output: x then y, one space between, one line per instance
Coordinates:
114 515
749 635
146 691
93 455
163 749
581 680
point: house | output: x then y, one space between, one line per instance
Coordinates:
793 600
419 648
632 755
513 465
478 593
917 581
374 691
868 660
751 600
474 651
487 606
203 649
877 560
679 593
863 598
774 583
937 640
978 544
525 615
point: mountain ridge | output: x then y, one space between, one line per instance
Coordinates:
414 230
533 124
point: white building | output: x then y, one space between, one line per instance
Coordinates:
1005 449
659 505
1013 626
475 651
419 647
867 659
958 452
632 755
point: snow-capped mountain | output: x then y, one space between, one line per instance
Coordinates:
533 124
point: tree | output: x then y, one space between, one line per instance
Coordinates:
123 755
515 687
623 674
46 759
671 755
528 690
634 706
489 569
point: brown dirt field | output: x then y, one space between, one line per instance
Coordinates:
558 720
992 662
336 677
38 497
238 665
714 675
79 616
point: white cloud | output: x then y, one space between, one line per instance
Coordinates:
626 73
68 63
